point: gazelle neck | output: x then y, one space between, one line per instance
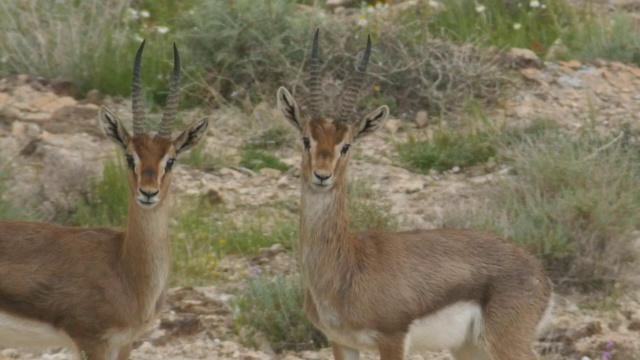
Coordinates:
325 239
146 255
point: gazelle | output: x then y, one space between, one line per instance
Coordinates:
95 290
463 290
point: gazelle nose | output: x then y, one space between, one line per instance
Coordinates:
149 194
321 177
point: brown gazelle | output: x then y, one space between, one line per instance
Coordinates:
463 290
94 290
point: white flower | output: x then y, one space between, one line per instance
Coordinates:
362 21
162 29
585 358
480 8
144 14
434 4
534 3
517 26
138 38
543 6
132 14
370 8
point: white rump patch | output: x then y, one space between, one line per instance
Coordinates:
20 332
447 328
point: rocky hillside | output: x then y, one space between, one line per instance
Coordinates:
54 145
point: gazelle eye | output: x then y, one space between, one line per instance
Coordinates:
345 148
169 165
306 142
130 162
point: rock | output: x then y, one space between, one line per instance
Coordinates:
517 58
64 87
269 173
74 118
590 329
571 64
10 353
634 325
228 347
93 97
422 119
19 129
568 82
283 182
392 125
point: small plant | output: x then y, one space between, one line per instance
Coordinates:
8 208
447 148
276 308
204 234
257 159
107 199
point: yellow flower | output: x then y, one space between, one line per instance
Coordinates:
212 265
223 241
362 21
209 256
377 88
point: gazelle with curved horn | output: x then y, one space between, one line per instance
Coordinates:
463 290
96 290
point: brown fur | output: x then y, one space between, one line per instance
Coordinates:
383 281
94 283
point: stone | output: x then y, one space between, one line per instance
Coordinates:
422 119
569 82
228 347
93 97
392 125
517 58
571 64
269 173
283 182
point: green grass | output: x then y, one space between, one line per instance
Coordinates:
200 159
367 210
257 159
573 201
275 137
276 308
204 234
107 199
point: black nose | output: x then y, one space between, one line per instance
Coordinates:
320 177
148 193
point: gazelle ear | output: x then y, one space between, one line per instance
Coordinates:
113 128
191 136
372 122
289 107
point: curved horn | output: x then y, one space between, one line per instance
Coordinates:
171 108
137 99
353 87
315 83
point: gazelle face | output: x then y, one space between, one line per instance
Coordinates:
327 144
150 159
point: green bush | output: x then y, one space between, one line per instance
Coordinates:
276 308
256 160
106 202
573 202
200 159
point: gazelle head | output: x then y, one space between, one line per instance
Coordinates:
151 157
327 142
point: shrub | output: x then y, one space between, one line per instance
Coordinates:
106 202
367 210
276 308
200 159
8 207
573 202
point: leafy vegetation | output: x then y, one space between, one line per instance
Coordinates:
9 210
257 159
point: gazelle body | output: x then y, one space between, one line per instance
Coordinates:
95 290
463 290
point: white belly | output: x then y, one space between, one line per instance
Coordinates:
19 332
445 329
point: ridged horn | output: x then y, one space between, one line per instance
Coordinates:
171 107
315 83
353 87
137 98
